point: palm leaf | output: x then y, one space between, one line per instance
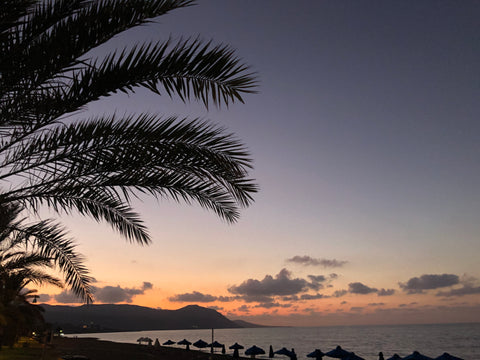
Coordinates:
49 241
95 166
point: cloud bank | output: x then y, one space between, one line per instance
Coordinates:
281 285
418 285
106 294
309 261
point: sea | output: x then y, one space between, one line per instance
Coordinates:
460 340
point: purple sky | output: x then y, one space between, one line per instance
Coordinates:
365 135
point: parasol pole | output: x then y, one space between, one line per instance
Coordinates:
211 348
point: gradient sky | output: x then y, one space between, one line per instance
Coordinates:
365 136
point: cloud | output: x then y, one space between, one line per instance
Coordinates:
281 285
256 298
376 304
339 293
359 288
465 290
193 297
67 297
318 282
244 308
417 285
116 294
309 261
356 309
270 305
226 298
216 308
313 297
42 298
106 294
385 292
317 278
147 285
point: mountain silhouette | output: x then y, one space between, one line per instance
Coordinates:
112 317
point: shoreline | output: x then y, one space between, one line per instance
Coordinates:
96 349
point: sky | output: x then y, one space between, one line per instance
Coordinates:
365 140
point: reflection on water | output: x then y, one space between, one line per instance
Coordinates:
462 340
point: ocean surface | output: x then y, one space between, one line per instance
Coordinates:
461 340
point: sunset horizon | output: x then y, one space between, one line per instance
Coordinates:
363 137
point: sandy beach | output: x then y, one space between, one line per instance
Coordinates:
105 350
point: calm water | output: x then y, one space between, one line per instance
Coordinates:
462 340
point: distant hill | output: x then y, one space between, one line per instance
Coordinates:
109 317
246 324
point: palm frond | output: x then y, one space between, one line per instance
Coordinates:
11 14
189 69
69 29
106 160
49 240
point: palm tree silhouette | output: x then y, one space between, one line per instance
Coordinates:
26 248
26 251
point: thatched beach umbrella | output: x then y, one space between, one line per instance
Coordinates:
417 356
200 344
254 350
215 344
352 356
142 339
317 354
235 347
395 357
185 342
447 356
338 353
284 351
169 342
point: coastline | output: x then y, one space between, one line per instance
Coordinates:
96 349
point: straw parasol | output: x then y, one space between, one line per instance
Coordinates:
284 351
447 356
254 350
200 344
338 353
185 342
417 356
235 347
317 354
169 342
215 344
395 357
353 356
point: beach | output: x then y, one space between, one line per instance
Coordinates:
96 349
366 341
432 340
